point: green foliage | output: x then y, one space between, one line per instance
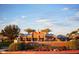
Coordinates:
11 31
73 32
28 46
21 46
29 30
31 46
0 45
73 45
77 44
4 43
59 48
46 30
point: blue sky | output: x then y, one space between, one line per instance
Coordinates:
60 18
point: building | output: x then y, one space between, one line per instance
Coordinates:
38 36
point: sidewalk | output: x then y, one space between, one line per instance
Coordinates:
41 52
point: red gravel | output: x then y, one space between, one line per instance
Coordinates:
42 52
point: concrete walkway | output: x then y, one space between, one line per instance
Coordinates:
41 52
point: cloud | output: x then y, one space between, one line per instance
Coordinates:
3 22
3 18
49 24
75 17
17 21
66 9
77 14
62 24
20 21
74 9
46 22
77 9
42 20
62 30
23 16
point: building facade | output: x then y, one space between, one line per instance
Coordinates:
38 36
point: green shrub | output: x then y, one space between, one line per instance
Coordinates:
4 43
77 44
59 48
0 45
73 44
21 46
31 46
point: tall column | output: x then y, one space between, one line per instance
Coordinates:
44 36
39 36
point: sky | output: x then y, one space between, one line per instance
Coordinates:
60 18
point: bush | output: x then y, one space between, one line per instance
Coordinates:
0 45
42 47
76 44
59 48
73 45
32 46
29 46
4 43
22 46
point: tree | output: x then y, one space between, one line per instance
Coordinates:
29 30
46 30
73 35
11 31
73 32
62 38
